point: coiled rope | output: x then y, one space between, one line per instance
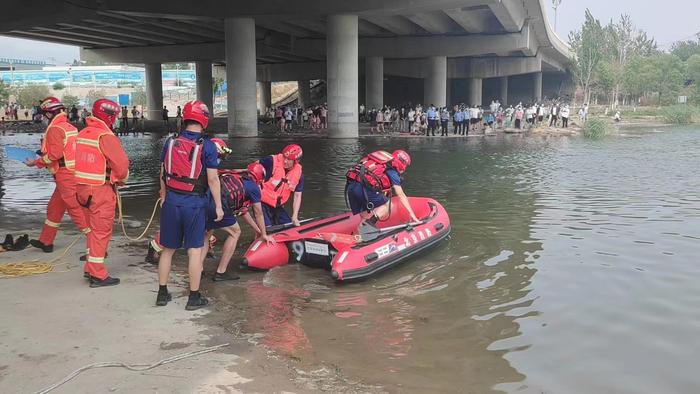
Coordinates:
36 267
131 367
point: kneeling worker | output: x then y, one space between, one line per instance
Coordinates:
188 173
101 165
238 192
283 176
370 181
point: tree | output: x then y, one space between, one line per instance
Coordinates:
587 44
30 95
58 86
4 93
138 97
663 74
685 49
692 66
69 100
94 95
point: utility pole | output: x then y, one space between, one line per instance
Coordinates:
555 5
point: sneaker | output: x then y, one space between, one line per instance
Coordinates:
108 281
196 303
163 298
40 245
21 243
220 277
9 241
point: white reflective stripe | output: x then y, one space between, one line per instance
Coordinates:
155 246
96 260
51 224
169 165
86 141
193 165
85 175
85 230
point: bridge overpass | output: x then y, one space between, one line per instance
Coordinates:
447 50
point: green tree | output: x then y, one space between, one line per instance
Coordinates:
69 100
588 45
94 95
58 86
30 95
685 49
692 66
4 93
138 97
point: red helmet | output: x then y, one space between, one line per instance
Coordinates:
401 160
51 104
256 172
292 152
197 111
106 110
221 148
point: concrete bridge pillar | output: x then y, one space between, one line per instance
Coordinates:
476 87
537 86
265 97
304 93
205 89
374 82
241 77
342 75
435 82
154 91
504 91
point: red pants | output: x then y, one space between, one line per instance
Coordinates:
98 204
62 200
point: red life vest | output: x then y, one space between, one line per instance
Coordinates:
281 185
183 171
371 171
233 192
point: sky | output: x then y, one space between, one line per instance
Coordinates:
674 20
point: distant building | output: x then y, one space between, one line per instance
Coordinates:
97 76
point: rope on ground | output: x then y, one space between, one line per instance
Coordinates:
33 267
121 218
131 367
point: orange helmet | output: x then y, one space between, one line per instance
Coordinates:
51 104
401 160
106 110
256 172
292 152
197 111
221 148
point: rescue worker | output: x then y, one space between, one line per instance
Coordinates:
101 165
283 177
370 181
58 156
238 192
188 174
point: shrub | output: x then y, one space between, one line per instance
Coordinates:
677 114
58 86
596 128
69 100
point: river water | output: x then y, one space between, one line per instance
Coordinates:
572 265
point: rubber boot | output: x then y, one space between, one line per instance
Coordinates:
40 245
108 281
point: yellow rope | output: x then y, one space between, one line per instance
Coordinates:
121 218
33 267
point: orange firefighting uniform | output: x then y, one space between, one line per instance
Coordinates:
58 156
100 164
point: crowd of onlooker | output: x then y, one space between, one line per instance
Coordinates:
462 118
288 118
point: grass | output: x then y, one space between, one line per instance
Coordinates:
678 114
596 128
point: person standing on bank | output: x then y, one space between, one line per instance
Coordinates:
101 165
188 177
58 156
283 176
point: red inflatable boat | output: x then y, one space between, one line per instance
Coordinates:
334 242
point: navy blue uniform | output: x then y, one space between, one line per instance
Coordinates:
252 194
362 198
183 216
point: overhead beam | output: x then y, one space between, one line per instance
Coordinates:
472 20
132 24
101 37
189 30
121 33
314 25
294 31
434 23
370 29
56 37
510 14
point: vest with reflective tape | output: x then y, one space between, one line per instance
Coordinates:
371 171
70 134
277 189
233 198
90 162
183 170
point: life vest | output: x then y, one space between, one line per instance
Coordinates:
277 189
70 134
233 192
183 171
90 162
371 171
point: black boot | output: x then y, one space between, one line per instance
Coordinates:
21 243
151 256
220 277
9 241
38 244
108 281
196 301
163 296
